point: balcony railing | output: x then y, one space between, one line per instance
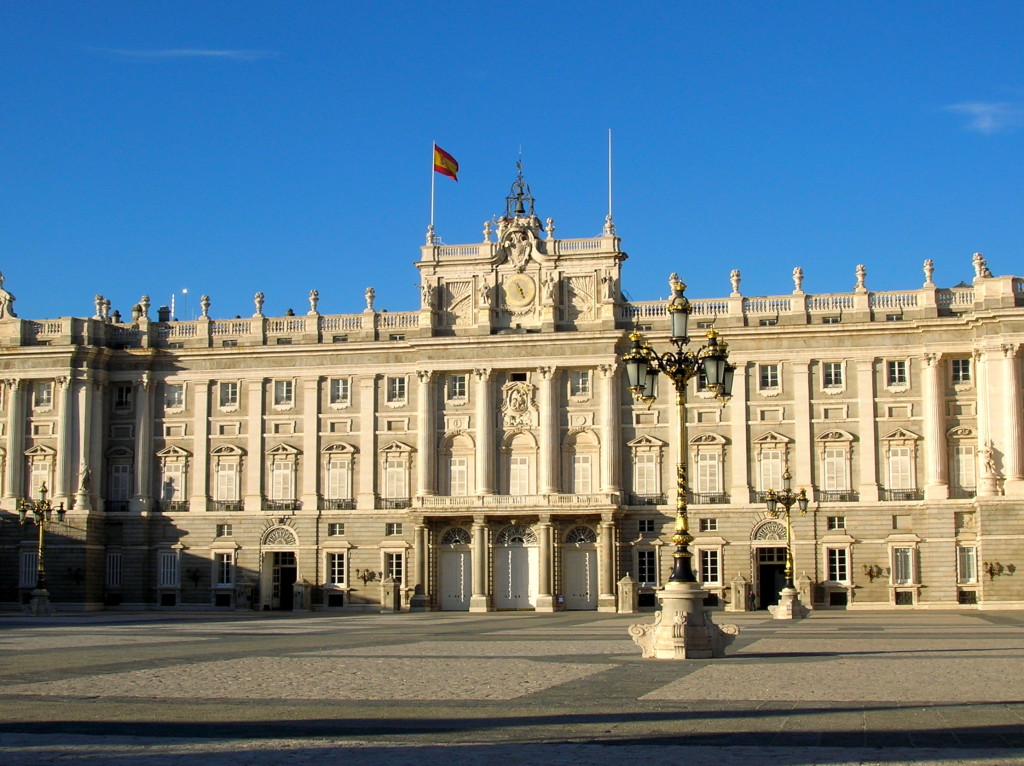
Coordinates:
282 505
338 504
225 505
173 505
835 495
962 493
709 498
392 503
116 506
643 499
758 495
902 495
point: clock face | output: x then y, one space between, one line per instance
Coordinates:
519 290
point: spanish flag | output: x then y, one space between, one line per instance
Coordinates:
445 164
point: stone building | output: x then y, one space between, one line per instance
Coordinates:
484 452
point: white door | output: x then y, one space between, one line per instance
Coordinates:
455 581
515 577
579 575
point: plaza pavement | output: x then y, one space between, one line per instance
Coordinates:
841 687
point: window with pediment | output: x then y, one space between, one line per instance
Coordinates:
900 455
456 465
647 455
283 467
771 452
835 455
581 462
707 458
338 463
519 457
173 495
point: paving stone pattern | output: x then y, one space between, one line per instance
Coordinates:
516 688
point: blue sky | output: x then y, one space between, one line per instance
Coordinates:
230 147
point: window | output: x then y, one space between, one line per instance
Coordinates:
120 481
517 377
113 570
174 396
894 317
768 377
172 482
838 571
339 391
396 477
393 528
767 322
457 387
168 572
645 473
39 474
458 477
967 563
707 525
709 473
771 469
835 475
900 469
223 530
284 341
831 320
581 484
122 396
42 394
835 523
395 390
902 566
282 480
224 568
709 569
646 526
646 568
394 566
335 529
964 467
29 569
339 473
226 487
397 336
961 371
832 374
896 373
228 394
519 475
336 568
579 383
284 393
232 343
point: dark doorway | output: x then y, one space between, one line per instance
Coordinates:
283 580
771 575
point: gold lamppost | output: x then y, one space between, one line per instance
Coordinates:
789 606
40 512
688 632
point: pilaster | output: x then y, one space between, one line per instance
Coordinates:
420 600
803 436
143 499
606 565
480 601
867 430
739 490
936 474
1012 453
310 443
545 599
611 429
15 480
367 497
484 432
426 459
254 464
548 470
65 434
200 445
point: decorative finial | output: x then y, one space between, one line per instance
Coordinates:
798 280
980 266
258 300
734 278
862 273
929 269
314 298
204 304
370 294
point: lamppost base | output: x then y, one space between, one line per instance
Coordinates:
40 605
683 629
789 606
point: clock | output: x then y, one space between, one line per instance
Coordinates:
519 290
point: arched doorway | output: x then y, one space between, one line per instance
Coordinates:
769 562
280 568
456 570
579 568
515 568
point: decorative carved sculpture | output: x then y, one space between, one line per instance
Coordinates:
980 266
929 270
734 278
258 300
6 302
314 299
798 280
862 273
370 294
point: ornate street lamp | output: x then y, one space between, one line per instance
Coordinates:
682 598
40 512
789 605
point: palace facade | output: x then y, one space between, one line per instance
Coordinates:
484 453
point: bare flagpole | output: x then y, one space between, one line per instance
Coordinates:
430 228
609 227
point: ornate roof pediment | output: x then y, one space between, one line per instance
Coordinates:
396 447
772 437
646 441
40 449
227 449
836 435
283 449
901 434
340 447
173 451
709 438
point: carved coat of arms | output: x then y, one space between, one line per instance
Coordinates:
517 404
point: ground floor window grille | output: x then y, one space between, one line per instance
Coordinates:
113 570
169 569
29 569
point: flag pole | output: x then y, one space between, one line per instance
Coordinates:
430 228
609 225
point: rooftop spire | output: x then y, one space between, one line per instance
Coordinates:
519 202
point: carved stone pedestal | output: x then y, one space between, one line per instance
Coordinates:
40 605
682 630
789 606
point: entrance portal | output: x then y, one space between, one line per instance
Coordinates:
515 569
771 575
282 580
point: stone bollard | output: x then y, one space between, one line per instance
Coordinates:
627 595
803 585
390 596
740 587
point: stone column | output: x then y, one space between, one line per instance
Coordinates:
426 436
803 468
420 600
14 486
548 482
480 600
611 429
936 457
143 499
65 433
740 448
367 474
199 481
88 478
545 599
310 443
868 430
254 460
1012 453
987 484
485 482
606 565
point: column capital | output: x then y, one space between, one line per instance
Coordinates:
143 382
13 383
424 375
608 370
482 374
1010 350
546 373
932 358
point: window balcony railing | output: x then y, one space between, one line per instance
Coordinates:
172 505
835 495
709 498
116 506
225 505
758 495
902 495
392 503
962 493
281 505
635 499
338 504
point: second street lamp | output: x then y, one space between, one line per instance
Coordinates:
682 629
40 512
789 606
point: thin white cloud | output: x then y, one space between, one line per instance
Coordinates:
990 117
183 53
